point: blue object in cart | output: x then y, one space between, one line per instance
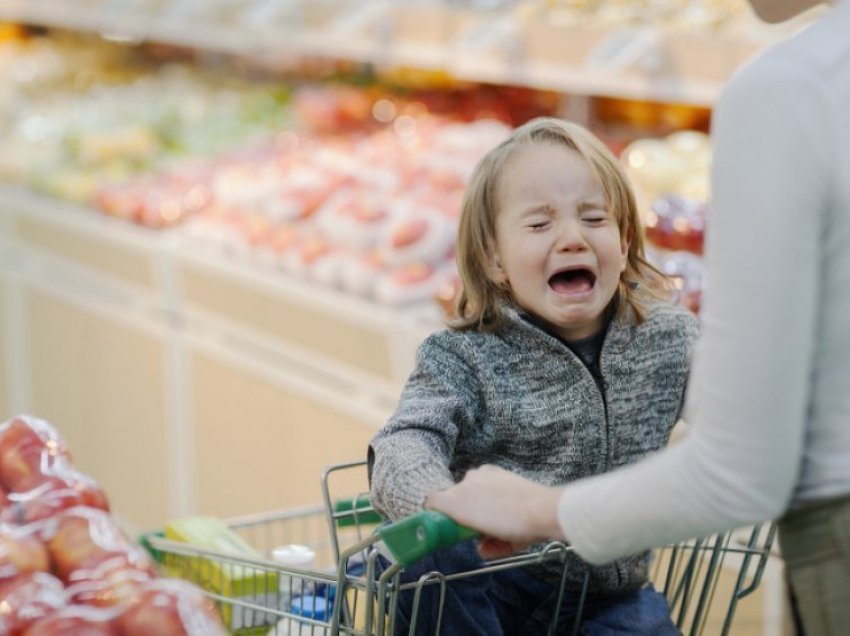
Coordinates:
355 567
307 606
310 606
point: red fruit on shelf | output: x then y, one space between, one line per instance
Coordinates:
27 598
408 232
412 273
414 282
677 223
423 235
169 607
686 271
122 200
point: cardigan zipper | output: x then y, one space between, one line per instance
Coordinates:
602 385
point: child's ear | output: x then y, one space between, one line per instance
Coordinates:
625 243
495 271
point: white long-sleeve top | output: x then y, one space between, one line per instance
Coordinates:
769 397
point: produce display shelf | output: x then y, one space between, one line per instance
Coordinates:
654 62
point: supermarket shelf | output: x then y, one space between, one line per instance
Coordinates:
242 271
499 46
351 351
83 220
576 81
57 311
99 327
23 201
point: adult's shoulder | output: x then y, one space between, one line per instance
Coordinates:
802 64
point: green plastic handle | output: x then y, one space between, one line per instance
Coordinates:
413 538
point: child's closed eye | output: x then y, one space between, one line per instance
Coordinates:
595 217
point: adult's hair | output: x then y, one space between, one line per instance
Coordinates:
481 299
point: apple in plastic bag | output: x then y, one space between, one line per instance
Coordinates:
75 620
82 539
91 494
39 504
67 489
21 551
28 449
35 466
27 598
110 584
170 607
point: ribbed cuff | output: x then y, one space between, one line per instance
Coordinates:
407 493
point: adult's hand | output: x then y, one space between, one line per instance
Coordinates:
509 511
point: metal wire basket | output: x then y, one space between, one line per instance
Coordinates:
347 593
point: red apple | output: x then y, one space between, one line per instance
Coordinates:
409 232
412 273
53 496
28 449
40 503
90 492
112 583
21 552
75 620
27 598
83 539
170 607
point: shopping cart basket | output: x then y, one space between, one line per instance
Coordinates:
345 592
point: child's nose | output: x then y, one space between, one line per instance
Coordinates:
571 238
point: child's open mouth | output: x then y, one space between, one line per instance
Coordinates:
572 282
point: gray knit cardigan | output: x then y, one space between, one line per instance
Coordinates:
519 398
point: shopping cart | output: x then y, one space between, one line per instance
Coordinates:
346 592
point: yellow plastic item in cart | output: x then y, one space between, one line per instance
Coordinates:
237 580
11 32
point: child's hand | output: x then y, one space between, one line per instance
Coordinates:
491 548
510 511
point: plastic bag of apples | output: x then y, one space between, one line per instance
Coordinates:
66 568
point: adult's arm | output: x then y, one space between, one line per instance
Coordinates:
749 391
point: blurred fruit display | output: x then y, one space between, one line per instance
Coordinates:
355 185
671 177
372 213
66 567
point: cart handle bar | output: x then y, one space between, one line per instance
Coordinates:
415 537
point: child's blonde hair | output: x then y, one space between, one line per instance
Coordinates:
480 300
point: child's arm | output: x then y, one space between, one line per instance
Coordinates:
414 451
689 332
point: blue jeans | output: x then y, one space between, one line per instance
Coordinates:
515 602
